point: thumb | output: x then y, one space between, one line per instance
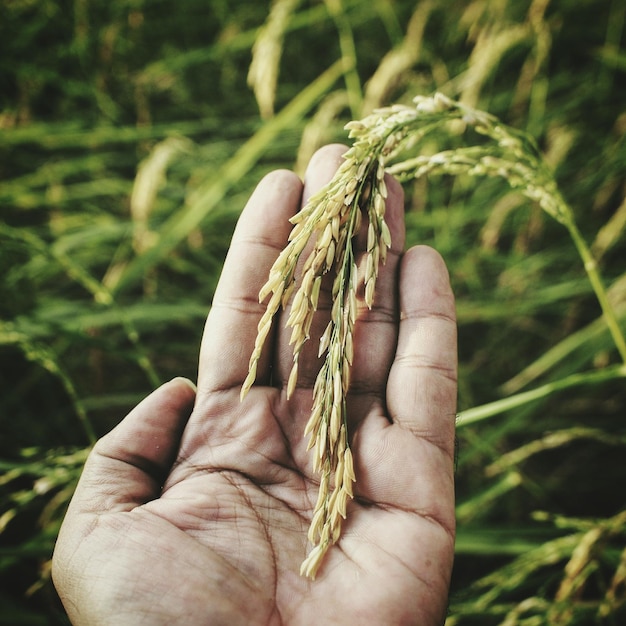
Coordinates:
128 466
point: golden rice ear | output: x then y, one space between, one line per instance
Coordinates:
333 215
333 218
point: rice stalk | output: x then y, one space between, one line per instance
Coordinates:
514 157
490 48
394 66
594 541
614 597
348 54
332 217
148 181
267 53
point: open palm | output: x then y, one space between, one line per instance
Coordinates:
195 509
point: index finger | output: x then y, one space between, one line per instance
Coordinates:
231 326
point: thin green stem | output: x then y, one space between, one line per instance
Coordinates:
348 56
591 268
486 411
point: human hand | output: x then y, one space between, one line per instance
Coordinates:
195 508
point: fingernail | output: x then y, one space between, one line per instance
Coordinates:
187 382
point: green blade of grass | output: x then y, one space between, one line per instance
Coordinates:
491 409
489 541
563 352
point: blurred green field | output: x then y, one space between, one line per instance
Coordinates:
131 134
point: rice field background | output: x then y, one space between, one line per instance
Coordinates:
131 134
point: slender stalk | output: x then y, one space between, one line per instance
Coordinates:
491 409
348 55
333 214
591 267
